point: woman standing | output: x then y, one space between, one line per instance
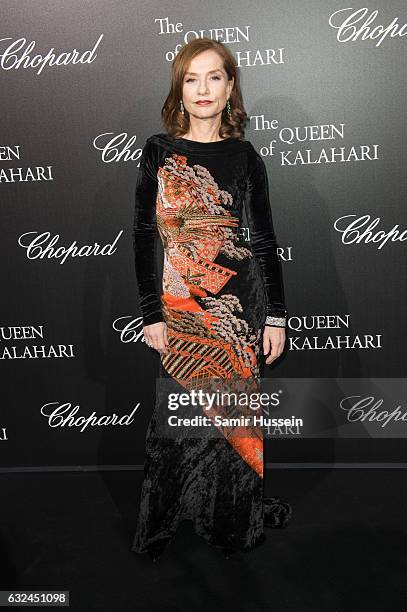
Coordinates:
221 307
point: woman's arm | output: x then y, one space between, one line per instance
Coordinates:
263 239
145 235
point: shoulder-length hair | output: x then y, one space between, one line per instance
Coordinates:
177 123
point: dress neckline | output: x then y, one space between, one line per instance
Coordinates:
197 145
200 142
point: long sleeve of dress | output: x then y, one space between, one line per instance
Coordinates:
263 239
145 235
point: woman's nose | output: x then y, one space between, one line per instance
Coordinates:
203 88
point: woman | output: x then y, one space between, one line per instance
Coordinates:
222 303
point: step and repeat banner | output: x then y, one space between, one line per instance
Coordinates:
82 85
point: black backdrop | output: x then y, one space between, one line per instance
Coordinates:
82 86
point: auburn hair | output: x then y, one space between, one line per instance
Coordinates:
177 123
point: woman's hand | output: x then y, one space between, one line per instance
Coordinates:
274 339
155 336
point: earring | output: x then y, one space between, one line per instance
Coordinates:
228 109
181 107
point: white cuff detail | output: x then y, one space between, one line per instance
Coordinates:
275 321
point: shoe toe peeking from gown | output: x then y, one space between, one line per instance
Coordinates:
156 550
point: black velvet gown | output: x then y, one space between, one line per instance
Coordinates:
219 290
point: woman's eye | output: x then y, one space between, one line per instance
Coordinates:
191 79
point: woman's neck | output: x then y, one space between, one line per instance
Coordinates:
203 136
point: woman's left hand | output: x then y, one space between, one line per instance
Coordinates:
273 340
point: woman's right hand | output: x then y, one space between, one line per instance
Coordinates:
155 336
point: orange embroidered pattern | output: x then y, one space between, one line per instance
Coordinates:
207 339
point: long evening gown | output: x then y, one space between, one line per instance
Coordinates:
218 292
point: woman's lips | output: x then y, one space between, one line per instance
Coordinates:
204 102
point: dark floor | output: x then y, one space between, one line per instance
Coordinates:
344 550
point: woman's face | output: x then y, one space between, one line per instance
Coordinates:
206 79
